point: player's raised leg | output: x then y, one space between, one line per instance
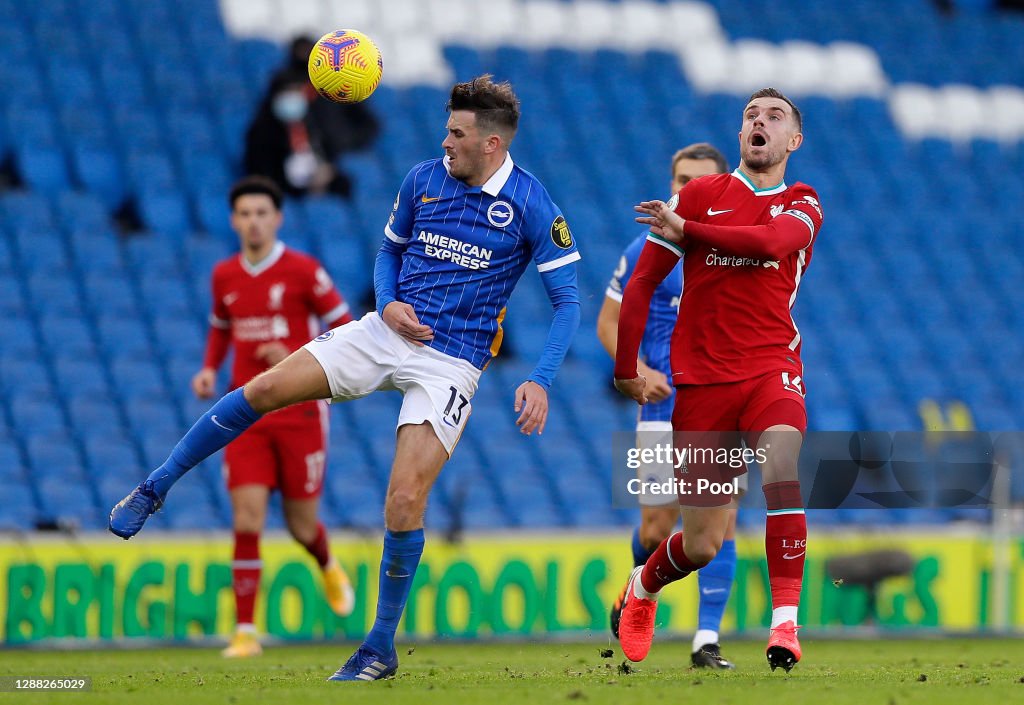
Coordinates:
299 377
785 540
419 457
249 512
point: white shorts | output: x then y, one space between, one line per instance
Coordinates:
655 433
366 355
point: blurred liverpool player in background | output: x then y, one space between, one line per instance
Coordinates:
267 301
659 513
735 358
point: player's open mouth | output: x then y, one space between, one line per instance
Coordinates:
758 140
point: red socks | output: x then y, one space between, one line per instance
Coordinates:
667 564
785 542
318 548
245 574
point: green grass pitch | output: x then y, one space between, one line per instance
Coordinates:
898 672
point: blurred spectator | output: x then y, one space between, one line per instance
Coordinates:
297 137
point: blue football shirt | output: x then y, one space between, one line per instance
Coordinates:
465 248
656 343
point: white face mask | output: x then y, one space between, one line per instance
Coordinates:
290 106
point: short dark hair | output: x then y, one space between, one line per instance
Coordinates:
773 93
701 150
258 185
495 104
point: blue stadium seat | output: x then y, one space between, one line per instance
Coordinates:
12 302
166 296
212 213
97 168
69 336
113 456
202 252
152 416
96 250
53 457
165 210
11 464
34 416
25 376
19 338
137 379
41 251
54 293
24 210
18 511
109 294
193 508
33 125
93 415
183 337
155 254
43 168
363 507
81 211
68 503
77 378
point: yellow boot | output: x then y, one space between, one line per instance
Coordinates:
338 589
244 644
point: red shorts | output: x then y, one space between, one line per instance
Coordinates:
712 421
285 450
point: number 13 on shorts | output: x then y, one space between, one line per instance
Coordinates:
456 404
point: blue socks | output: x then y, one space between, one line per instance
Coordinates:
402 551
715 583
640 554
223 423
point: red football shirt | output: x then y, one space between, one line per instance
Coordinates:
283 298
746 250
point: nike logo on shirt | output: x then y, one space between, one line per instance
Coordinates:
428 199
714 212
218 423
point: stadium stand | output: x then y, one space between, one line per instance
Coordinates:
912 296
